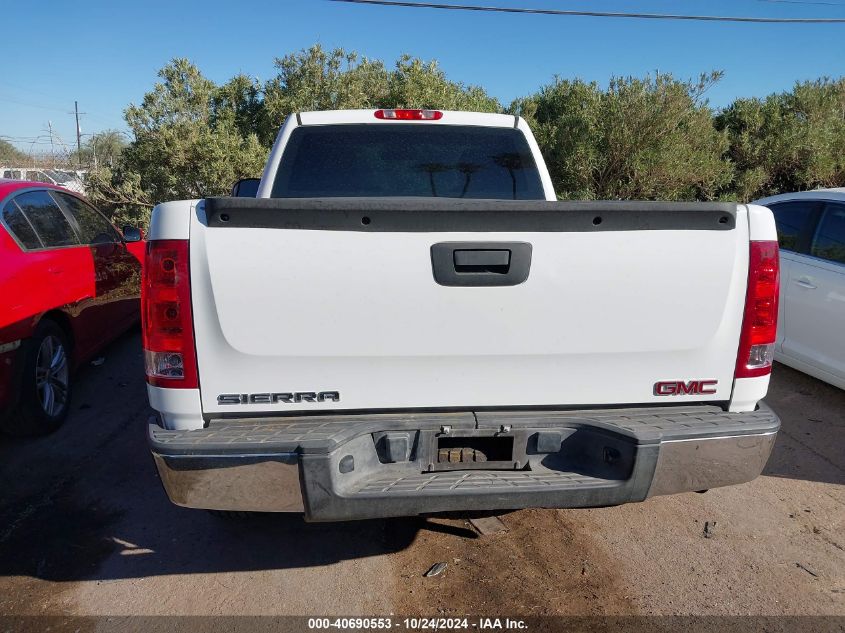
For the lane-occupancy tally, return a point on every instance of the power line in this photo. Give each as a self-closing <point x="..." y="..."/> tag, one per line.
<point x="826" y="4"/>
<point x="596" y="14"/>
<point x="8" y="99"/>
<point x="32" y="105"/>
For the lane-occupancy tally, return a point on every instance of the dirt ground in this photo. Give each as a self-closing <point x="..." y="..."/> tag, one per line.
<point x="86" y="529"/>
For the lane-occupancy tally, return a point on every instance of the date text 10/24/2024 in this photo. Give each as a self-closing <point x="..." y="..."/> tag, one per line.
<point x="417" y="624"/>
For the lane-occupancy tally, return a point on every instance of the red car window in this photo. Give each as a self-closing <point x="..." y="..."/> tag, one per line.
<point x="19" y="226"/>
<point x="93" y="227"/>
<point x="46" y="218"/>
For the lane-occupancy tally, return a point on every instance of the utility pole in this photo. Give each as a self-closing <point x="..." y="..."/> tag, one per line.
<point x="52" y="157"/>
<point x="78" y="134"/>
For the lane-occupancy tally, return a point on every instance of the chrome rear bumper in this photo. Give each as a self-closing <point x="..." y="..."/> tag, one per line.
<point x="253" y="483"/>
<point x="701" y="464"/>
<point x="336" y="468"/>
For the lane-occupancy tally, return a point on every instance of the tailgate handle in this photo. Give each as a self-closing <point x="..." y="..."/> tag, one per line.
<point x="480" y="263"/>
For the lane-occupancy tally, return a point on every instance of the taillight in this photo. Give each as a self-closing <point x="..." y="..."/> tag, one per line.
<point x="169" y="354"/>
<point x="760" y="321"/>
<point x="409" y="115"/>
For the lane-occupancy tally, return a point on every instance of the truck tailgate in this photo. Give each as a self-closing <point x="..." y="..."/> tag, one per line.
<point x="297" y="298"/>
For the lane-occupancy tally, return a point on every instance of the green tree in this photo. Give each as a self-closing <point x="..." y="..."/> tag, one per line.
<point x="639" y="138"/>
<point x="239" y="103"/>
<point x="118" y="192"/>
<point x="184" y="146"/>
<point x="651" y="138"/>
<point x="789" y="141"/>
<point x="414" y="83"/>
<point x="10" y="154"/>
<point x="315" y="79"/>
<point x="102" y="149"/>
<point x="191" y="139"/>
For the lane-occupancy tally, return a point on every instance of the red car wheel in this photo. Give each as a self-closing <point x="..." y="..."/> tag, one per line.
<point x="45" y="384"/>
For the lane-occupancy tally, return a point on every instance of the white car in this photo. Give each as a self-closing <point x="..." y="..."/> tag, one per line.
<point x="71" y="179"/>
<point x="811" y="320"/>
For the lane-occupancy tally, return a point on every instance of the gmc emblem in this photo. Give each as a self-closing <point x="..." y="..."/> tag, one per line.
<point x="681" y="388"/>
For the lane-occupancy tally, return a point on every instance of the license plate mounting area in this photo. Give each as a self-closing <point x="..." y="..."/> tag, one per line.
<point x="474" y="450"/>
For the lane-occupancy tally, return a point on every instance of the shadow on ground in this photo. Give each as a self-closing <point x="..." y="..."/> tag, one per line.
<point x="86" y="503"/>
<point x="811" y="441"/>
<point x="111" y="519"/>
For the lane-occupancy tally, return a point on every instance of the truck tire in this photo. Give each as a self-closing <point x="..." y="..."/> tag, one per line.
<point x="45" y="386"/>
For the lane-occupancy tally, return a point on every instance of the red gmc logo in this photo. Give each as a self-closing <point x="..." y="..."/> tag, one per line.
<point x="681" y="388"/>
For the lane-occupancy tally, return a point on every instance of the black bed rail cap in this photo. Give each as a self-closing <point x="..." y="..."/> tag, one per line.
<point x="429" y="215"/>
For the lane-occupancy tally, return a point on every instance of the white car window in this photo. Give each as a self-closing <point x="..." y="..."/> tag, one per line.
<point x="793" y="220"/>
<point x="829" y="240"/>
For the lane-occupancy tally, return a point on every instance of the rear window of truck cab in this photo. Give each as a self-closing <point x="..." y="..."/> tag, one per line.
<point x="400" y="159"/>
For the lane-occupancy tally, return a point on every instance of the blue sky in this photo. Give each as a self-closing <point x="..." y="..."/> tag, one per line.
<point x="105" y="54"/>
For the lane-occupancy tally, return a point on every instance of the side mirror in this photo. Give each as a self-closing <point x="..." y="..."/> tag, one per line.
<point x="245" y="188"/>
<point x="132" y="234"/>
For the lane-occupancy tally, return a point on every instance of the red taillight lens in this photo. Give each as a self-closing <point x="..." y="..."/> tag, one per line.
<point x="760" y="322"/>
<point x="409" y="115"/>
<point x="169" y="354"/>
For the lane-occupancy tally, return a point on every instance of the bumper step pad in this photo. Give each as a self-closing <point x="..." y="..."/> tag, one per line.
<point x="477" y="481"/>
<point x="324" y="433"/>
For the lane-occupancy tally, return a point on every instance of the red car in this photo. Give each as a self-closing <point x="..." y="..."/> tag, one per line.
<point x="70" y="283"/>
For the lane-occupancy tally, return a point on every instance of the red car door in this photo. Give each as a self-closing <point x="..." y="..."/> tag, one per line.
<point x="117" y="270"/>
<point x="59" y="271"/>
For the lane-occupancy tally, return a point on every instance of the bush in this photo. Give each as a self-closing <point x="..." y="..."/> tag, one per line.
<point x="651" y="138"/>
<point x="640" y="138"/>
<point x="194" y="139"/>
<point x="787" y="142"/>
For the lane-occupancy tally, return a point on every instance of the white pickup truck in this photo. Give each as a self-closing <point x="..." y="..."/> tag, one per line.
<point x="404" y="320"/>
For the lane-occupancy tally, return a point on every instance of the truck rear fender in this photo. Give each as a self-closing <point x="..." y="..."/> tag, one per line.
<point x="747" y="392"/>
<point x="179" y="408"/>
